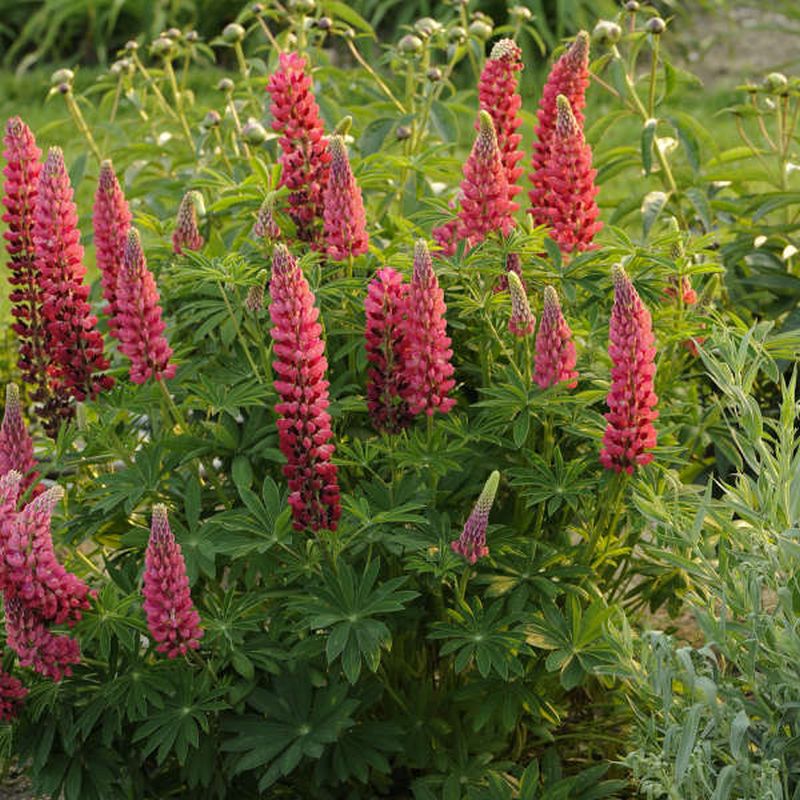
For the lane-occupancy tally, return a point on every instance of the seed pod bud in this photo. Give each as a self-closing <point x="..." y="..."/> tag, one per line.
<point x="480" y="29"/>
<point x="64" y="88"/>
<point x="434" y="74"/>
<point x="302" y="6"/>
<point x="410" y="44"/>
<point x="324" y="23"/>
<point x="173" y="33"/>
<point x="776" y="82"/>
<point x="225" y="85"/>
<point x="122" y="66"/>
<point x="656" y="26"/>
<point x="62" y="76"/>
<point x="253" y="132"/>
<point x="131" y="45"/>
<point x="162" y="47"/>
<point x="233" y="33"/>
<point x="427" y="26"/>
<point x="631" y="6"/>
<point x="520" y="12"/>
<point x="192" y="37"/>
<point x="343" y="126"/>
<point x="403" y="132"/>
<point x="607" y="32"/>
<point x="212" y="119"/>
<point x="257" y="9"/>
<point x="457" y="34"/>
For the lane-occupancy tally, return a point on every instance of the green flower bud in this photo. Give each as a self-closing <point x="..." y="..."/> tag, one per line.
<point x="480" y="29"/>
<point x="64" y="88"/>
<point x="776" y="82"/>
<point x="225" y="85"/>
<point x="427" y="26"/>
<point x="607" y="32"/>
<point x="324" y="23"/>
<point x="233" y="33"/>
<point x="457" y="34"/>
<point x="62" y="76"/>
<point x="632" y="6"/>
<point x="131" y="45"/>
<point x="192" y="37"/>
<point x="403" y="132"/>
<point x="302" y="6"/>
<point x="173" y="33"/>
<point x="656" y="26"/>
<point x="212" y="119"/>
<point x="162" y="47"/>
<point x="410" y="44"/>
<point x="253" y="132"/>
<point x="257" y="9"/>
<point x="520" y="12"/>
<point x="123" y="66"/>
<point x="434" y="74"/>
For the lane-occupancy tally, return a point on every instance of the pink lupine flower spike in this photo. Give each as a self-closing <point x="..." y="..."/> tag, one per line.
<point x="555" y="350"/>
<point x="521" y="322"/>
<point x="472" y="542"/>
<point x="16" y="445"/>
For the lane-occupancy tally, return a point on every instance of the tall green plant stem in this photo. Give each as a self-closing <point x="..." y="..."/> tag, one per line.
<point x="162" y="101"/>
<point x="80" y="122"/>
<point x="239" y="334"/>
<point x="612" y="509"/>
<point x="244" y="71"/>
<point x="374" y="75"/>
<point x="178" y="97"/>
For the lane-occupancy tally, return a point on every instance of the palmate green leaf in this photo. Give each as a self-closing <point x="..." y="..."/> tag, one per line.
<point x="296" y="721"/>
<point x="346" y="604"/>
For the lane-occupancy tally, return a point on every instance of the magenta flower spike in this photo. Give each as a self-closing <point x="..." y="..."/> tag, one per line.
<point x="10" y="487"/>
<point x="29" y="636"/>
<point x="74" y="345"/>
<point x="16" y="445"/>
<point x="498" y="93"/>
<point x="521" y="322"/>
<point x="555" y="350"/>
<point x="140" y="328"/>
<point x="33" y="573"/>
<point x="344" y="218"/>
<point x="564" y="193"/>
<point x="427" y="354"/>
<point x="630" y="433"/>
<point x="472" y="542"/>
<point x="186" y="235"/>
<point x="12" y="696"/>
<point x="112" y="221"/>
<point x="19" y="197"/>
<point x="265" y="228"/>
<point x="485" y="207"/>
<point x="304" y="152"/>
<point x="304" y="424"/>
<point x="172" y="618"/>
<point x="385" y="306"/>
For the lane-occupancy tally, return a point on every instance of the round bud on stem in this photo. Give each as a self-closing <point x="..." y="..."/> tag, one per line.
<point x="521" y="13"/>
<point x="607" y="32"/>
<point x="173" y="33"/>
<point x="324" y="23"/>
<point x="131" y="45"/>
<point x="302" y="6"/>
<point x="457" y="34"/>
<point x="632" y="6"/>
<point x="192" y="37"/>
<point x="64" y="88"/>
<point x="480" y="29"/>
<point x="62" y="76"/>
<point x="257" y="9"/>
<point x="656" y="26"/>
<point x="225" y="85"/>
<point x="162" y="47"/>
<point x="434" y="74"/>
<point x="403" y="132"/>
<point x="253" y="132"/>
<point x="233" y="33"/>
<point x="427" y="26"/>
<point x="776" y="82"/>
<point x="212" y="119"/>
<point x="410" y="44"/>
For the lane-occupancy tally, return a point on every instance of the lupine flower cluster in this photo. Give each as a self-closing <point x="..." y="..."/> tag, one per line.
<point x="385" y="306"/>
<point x="112" y="221"/>
<point x="38" y="591"/>
<point x="139" y="326"/>
<point x="345" y="222"/>
<point x="186" y="235"/>
<point x="521" y="322"/>
<point x="172" y="618"/>
<point x="16" y="445"/>
<point x="472" y="542"/>
<point x="630" y="433"/>
<point x="555" y="350"/>
<point x="12" y="695"/>
<point x="304" y="426"/>
<point x="304" y="152"/>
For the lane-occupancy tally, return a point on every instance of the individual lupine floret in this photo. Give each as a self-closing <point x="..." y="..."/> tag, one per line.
<point x="472" y="542"/>
<point x="521" y="322"/>
<point x="19" y="197"/>
<point x="564" y="196"/>
<point x="630" y="433"/>
<point x="74" y="345"/>
<point x="344" y="218"/>
<point x="485" y="207"/>
<point x="426" y="347"/>
<point x="499" y="96"/>
<point x="304" y="425"/>
<point x="569" y="76"/>
<point x="140" y="328"/>
<point x="555" y="351"/>
<point x="12" y="696"/>
<point x="29" y="636"/>
<point x="186" y="235"/>
<point x="172" y="619"/>
<point x="112" y="221"/>
<point x="16" y="445"/>
<point x="385" y="307"/>
<point x="33" y="573"/>
<point x="304" y="152"/>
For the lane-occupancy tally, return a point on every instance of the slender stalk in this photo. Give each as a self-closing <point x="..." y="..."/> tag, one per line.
<point x="77" y="116"/>
<point x="245" y="71"/>
<point x="268" y="33"/>
<point x="651" y="97"/>
<point x="374" y="75"/>
<point x="176" y="93"/>
<point x="238" y="330"/>
<point x="154" y="86"/>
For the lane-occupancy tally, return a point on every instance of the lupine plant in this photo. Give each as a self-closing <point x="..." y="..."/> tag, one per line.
<point x="297" y="500"/>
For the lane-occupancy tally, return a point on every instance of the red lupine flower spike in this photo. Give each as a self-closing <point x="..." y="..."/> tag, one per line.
<point x="485" y="207"/>
<point x="10" y="486"/>
<point x="21" y="186"/>
<point x="304" y="426"/>
<point x="521" y="322"/>
<point x="33" y="574"/>
<point x="112" y="220"/>
<point x="304" y="154"/>
<point x="345" y="221"/>
<point x="385" y="307"/>
<point x="139" y="325"/>
<point x="472" y="542"/>
<point x="426" y="346"/>
<point x="499" y="96"/>
<point x="555" y="350"/>
<point x="74" y="345"/>
<point x="564" y="197"/>
<point x="570" y="77"/>
<point x="172" y="619"/>
<point x="186" y="235"/>
<point x="12" y="696"/>
<point x="29" y="636"/>
<point x="16" y="445"/>
<point x="630" y="433"/>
